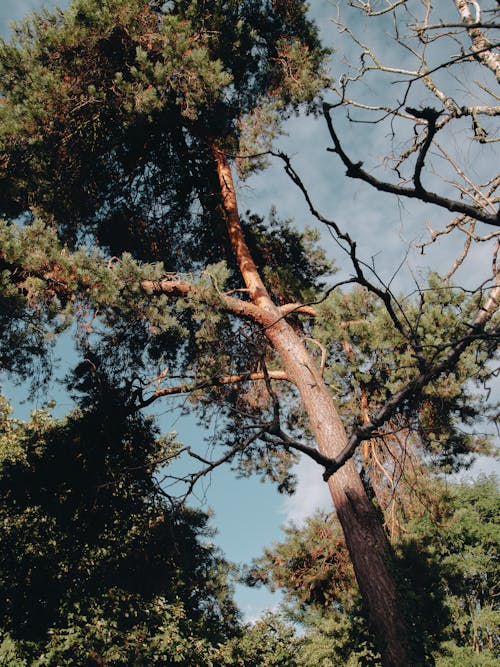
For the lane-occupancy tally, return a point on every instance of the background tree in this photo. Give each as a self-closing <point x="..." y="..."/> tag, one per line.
<point x="446" y="558"/>
<point x="118" y="125"/>
<point x="97" y="567"/>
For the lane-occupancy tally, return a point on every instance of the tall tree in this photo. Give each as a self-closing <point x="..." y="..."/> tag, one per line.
<point x="120" y="125"/>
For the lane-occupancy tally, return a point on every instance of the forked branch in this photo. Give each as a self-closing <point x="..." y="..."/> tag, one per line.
<point x="355" y="170"/>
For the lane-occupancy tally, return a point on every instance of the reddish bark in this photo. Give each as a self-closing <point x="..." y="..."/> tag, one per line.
<point x="365" y="537"/>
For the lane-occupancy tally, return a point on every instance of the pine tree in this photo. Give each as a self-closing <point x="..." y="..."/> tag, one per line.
<point x="446" y="563"/>
<point x="121" y="125"/>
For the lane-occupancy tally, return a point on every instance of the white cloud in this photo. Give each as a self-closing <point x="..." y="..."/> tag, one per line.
<point x="312" y="493"/>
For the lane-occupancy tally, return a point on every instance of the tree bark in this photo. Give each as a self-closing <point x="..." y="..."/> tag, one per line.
<point x="364" y="535"/>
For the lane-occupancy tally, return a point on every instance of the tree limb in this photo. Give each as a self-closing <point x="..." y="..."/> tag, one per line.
<point x="190" y="387"/>
<point x="482" y="47"/>
<point x="311" y="452"/>
<point x="299" y="308"/>
<point x="246" y="309"/>
<point x="424" y="378"/>
<point x="184" y="288"/>
<point x="212" y="465"/>
<point x="355" y="170"/>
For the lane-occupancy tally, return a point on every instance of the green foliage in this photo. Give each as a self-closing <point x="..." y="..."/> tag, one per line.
<point x="448" y="568"/>
<point x="312" y="566"/>
<point x="110" y="113"/>
<point x="368" y="355"/>
<point x="339" y="639"/>
<point x="129" y="335"/>
<point x="453" y="655"/>
<point x="45" y="288"/>
<point x="28" y="322"/>
<point x="269" y="642"/>
<point x="465" y="545"/>
<point x="94" y="564"/>
<point x="110" y="109"/>
<point x="313" y="570"/>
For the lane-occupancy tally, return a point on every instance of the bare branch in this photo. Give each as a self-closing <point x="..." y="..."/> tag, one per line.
<point x="355" y="170"/>
<point x="280" y="437"/>
<point x="451" y="61"/>
<point x="360" y="278"/>
<point x="324" y="352"/>
<point x="461" y="258"/>
<point x="439" y="26"/>
<point x="210" y="466"/>
<point x="365" y="6"/>
<point x="430" y="116"/>
<point x="311" y="452"/>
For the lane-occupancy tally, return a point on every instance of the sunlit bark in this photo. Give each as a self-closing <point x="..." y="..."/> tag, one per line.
<point x="364" y="535"/>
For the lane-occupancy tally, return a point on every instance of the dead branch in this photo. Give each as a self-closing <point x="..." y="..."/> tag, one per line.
<point x="275" y="434"/>
<point x="350" y="248"/>
<point x="299" y="308"/>
<point x="355" y="170"/>
<point x="192" y="479"/>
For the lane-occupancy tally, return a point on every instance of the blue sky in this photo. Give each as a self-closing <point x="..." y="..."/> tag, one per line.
<point x="248" y="514"/>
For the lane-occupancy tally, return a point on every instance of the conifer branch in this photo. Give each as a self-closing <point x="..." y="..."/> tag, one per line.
<point x="474" y="332"/>
<point x="184" y="288"/>
<point x="191" y="387"/>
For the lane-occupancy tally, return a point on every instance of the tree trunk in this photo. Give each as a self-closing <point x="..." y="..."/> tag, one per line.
<point x="364" y="535"/>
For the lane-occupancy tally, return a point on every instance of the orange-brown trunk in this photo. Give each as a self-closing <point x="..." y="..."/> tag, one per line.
<point x="364" y="534"/>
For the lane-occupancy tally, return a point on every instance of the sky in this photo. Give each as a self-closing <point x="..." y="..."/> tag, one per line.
<point x="248" y="515"/>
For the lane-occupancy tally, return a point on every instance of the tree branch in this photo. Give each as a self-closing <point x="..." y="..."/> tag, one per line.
<point x="351" y="249"/>
<point x="190" y="387"/>
<point x="482" y="47"/>
<point x="311" y="452"/>
<point x="355" y="170"/>
<point x="299" y="308"/>
<point x="246" y="309"/>
<point x="416" y="385"/>
<point x="184" y="288"/>
<point x="451" y="24"/>
<point x="212" y="465"/>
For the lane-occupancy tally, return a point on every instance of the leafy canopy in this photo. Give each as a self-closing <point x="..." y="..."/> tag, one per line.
<point x="94" y="562"/>
<point x="447" y="565"/>
<point x="111" y="107"/>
